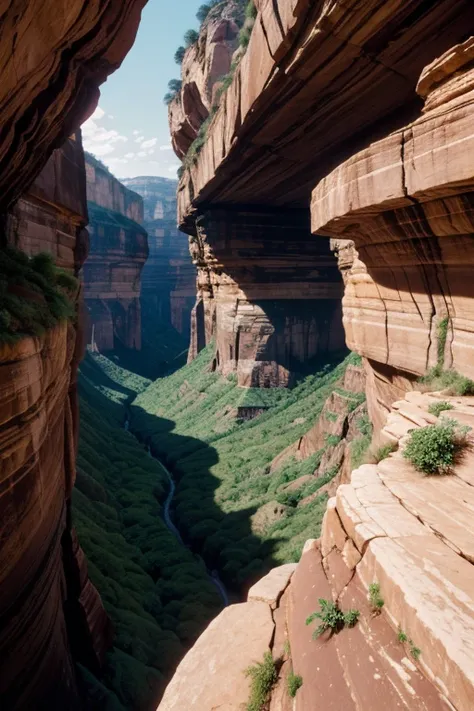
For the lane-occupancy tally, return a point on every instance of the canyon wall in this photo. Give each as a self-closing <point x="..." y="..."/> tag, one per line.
<point x="168" y="280"/>
<point x="49" y="610"/>
<point x="296" y="116"/>
<point x="118" y="251"/>
<point x="55" y="56"/>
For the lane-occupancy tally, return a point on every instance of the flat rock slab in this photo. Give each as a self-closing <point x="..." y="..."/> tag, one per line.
<point x="212" y="674"/>
<point x="270" y="588"/>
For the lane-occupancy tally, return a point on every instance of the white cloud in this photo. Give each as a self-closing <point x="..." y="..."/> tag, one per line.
<point x="135" y="132"/>
<point x="168" y="147"/>
<point x="139" y="139"/>
<point x="129" y="155"/>
<point x="150" y="143"/>
<point x="150" y="153"/>
<point x="97" y="115"/>
<point x="173" y="168"/>
<point x="97" y="139"/>
<point x="110" y="116"/>
<point x="141" y="154"/>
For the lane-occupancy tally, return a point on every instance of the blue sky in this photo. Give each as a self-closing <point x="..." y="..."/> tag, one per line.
<point x="129" y="129"/>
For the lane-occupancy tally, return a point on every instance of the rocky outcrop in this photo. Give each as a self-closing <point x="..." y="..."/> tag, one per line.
<point x="118" y="251"/>
<point x="168" y="280"/>
<point x="386" y="527"/>
<point x="49" y="609"/>
<point x="271" y="304"/>
<point x="50" y="78"/>
<point x="204" y="64"/>
<point x="411" y="229"/>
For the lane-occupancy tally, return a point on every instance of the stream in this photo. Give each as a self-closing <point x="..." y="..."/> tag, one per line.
<point x="213" y="574"/>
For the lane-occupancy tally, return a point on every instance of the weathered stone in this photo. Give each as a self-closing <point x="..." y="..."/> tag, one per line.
<point x="212" y="674"/>
<point x="270" y="588"/>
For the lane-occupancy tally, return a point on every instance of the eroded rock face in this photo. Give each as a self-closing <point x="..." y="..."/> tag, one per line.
<point x="205" y="62"/>
<point x="55" y="54"/>
<point x="407" y="204"/>
<point x="168" y="279"/>
<point x="118" y="251"/>
<point x="48" y="606"/>
<point x="267" y="292"/>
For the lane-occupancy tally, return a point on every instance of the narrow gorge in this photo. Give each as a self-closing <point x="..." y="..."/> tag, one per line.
<point x="237" y="407"/>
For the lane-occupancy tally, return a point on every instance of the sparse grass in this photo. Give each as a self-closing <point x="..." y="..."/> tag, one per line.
<point x="375" y="597"/>
<point x="294" y="682"/>
<point x="442" y="336"/>
<point x="435" y="449"/>
<point x="437" y="408"/>
<point x="331" y="440"/>
<point x="35" y="294"/>
<point x="384" y="451"/>
<point x="332" y="618"/>
<point x="450" y="380"/>
<point x="414" y="651"/>
<point x="402" y="636"/>
<point x="330" y="416"/>
<point x="263" y="675"/>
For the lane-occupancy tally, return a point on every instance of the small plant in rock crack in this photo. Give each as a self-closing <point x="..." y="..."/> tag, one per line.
<point x="293" y="682"/>
<point x="402" y="637"/>
<point x="332" y="618"/>
<point x="263" y="675"/>
<point x="414" y="651"/>
<point x="436" y="408"/>
<point x="376" y="600"/>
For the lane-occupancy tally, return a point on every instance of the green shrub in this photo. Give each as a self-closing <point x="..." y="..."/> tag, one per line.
<point x="402" y="636"/>
<point x="383" y="451"/>
<point x="179" y="55"/>
<point x="330" y="416"/>
<point x="34" y="294"/>
<point x="450" y="380"/>
<point x="251" y="10"/>
<point x="293" y="683"/>
<point x="434" y="449"/>
<point x="332" y="618"/>
<point x="442" y="336"/>
<point x="375" y="597"/>
<point x="191" y="37"/>
<point x="414" y="650"/>
<point x="332" y="440"/>
<point x="436" y="408"/>
<point x="263" y="675"/>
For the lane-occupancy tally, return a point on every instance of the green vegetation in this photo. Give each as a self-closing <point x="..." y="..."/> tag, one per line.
<point x="293" y="683"/>
<point x="360" y="445"/>
<point x="332" y="440"/>
<point x="174" y="86"/>
<point x="376" y="600"/>
<point x="263" y="675"/>
<point x="442" y="337"/>
<point x="402" y="636"/>
<point x="436" y="448"/>
<point x="190" y="37"/>
<point x="332" y="618"/>
<point x="330" y="416"/>
<point x="437" y="408"/>
<point x="179" y="55"/>
<point x="414" y="651"/>
<point x="156" y="592"/>
<point x="383" y="451"/>
<point x="34" y="294"/>
<point x="227" y="500"/>
<point x="438" y="378"/>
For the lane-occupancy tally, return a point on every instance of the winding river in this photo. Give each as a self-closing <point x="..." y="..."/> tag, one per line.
<point x="213" y="574"/>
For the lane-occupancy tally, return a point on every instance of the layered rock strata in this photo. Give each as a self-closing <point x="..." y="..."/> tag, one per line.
<point x="56" y="53"/>
<point x="205" y="63"/>
<point x="407" y="203"/>
<point x="168" y="280"/>
<point x="386" y="526"/>
<point x="118" y="251"/>
<point x="267" y="292"/>
<point x="49" y="609"/>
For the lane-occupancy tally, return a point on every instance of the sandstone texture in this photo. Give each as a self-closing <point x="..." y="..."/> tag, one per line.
<point x="168" y="279"/>
<point x="406" y="204"/>
<point x="55" y="54"/>
<point x="49" y="609"/>
<point x="271" y="304"/>
<point x="204" y="64"/>
<point x="118" y="251"/>
<point x="413" y="536"/>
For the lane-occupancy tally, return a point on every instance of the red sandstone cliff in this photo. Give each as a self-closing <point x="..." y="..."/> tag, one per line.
<point x="55" y="55"/>
<point x="118" y="251"/>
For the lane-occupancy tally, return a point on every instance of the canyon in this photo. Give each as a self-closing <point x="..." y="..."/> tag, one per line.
<point x="325" y="198"/>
